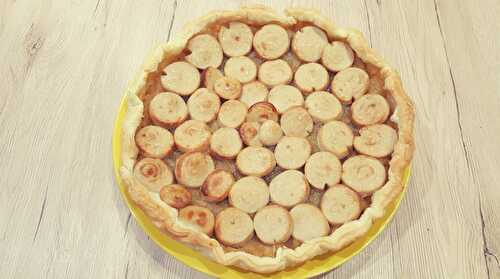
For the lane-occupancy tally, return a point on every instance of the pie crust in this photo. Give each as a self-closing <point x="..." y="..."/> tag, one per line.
<point x="233" y="227"/>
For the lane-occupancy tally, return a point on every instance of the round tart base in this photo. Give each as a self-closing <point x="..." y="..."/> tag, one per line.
<point x="163" y="216"/>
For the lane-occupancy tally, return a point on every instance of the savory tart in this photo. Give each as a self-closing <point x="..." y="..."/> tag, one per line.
<point x="264" y="140"/>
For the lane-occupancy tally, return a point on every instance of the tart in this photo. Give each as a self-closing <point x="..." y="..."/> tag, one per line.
<point x="265" y="140"/>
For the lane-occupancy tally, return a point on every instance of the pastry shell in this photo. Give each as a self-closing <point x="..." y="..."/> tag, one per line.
<point x="166" y="218"/>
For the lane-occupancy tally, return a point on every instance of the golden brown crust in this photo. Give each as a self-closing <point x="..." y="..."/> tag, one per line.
<point x="165" y="217"/>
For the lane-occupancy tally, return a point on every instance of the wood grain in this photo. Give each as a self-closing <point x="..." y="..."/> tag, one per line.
<point x="65" y="65"/>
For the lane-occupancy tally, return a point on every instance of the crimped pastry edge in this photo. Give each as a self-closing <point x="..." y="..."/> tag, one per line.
<point x="166" y="218"/>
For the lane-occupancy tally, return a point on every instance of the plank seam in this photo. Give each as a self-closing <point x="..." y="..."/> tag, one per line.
<point x="42" y="211"/>
<point x="96" y="7"/>
<point x="127" y="224"/>
<point x="172" y="20"/>
<point x="368" y="22"/>
<point x="126" y="270"/>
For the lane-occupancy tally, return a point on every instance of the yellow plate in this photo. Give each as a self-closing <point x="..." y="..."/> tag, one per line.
<point x="199" y="262"/>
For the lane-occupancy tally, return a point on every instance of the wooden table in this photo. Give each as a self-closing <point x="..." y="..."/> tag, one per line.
<point x="65" y="65"/>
